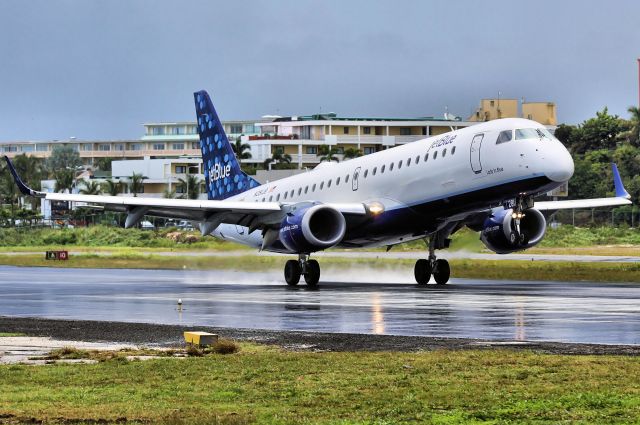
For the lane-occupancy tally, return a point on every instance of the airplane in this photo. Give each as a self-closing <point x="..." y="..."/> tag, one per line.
<point x="484" y="177"/>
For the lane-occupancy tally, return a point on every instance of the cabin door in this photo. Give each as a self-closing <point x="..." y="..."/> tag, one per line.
<point x="354" y="180"/>
<point x="476" y="143"/>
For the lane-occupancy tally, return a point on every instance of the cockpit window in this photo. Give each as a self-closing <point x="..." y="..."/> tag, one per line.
<point x="504" y="136"/>
<point x="545" y="133"/>
<point x="527" y="133"/>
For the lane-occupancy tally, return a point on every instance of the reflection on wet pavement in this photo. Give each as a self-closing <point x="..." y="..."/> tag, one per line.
<point x="354" y="301"/>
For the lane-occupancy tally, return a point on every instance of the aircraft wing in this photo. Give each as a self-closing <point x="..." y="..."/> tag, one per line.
<point x="210" y="213"/>
<point x="622" y="197"/>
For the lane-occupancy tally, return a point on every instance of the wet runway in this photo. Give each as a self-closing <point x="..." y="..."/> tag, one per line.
<point x="354" y="302"/>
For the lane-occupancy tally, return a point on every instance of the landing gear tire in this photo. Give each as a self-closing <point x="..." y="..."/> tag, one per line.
<point x="422" y="271"/>
<point x="312" y="273"/>
<point x="442" y="272"/>
<point x="292" y="272"/>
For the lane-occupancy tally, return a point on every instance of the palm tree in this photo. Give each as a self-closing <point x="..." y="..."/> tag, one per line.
<point x="191" y="184"/>
<point x="90" y="188"/>
<point x="136" y="184"/>
<point x="169" y="194"/>
<point x="634" y="131"/>
<point x="351" y="153"/>
<point x="64" y="179"/>
<point x="113" y="187"/>
<point x="327" y="153"/>
<point x="276" y="158"/>
<point x="241" y="150"/>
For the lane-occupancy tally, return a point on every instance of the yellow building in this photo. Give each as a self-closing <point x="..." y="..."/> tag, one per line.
<point x="491" y="109"/>
<point x="542" y="112"/>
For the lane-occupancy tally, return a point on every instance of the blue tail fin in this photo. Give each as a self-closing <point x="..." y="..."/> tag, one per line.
<point x="222" y="172"/>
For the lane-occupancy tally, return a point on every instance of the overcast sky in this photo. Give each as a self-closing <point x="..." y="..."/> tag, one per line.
<point x="99" y="69"/>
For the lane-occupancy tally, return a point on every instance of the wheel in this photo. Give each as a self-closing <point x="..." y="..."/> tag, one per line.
<point x="312" y="273"/>
<point x="292" y="272"/>
<point x="442" y="272"/>
<point x="422" y="271"/>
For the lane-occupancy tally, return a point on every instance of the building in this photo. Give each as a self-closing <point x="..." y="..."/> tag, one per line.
<point x="491" y="109"/>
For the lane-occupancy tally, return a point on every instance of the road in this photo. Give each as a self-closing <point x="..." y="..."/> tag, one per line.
<point x="359" y="301"/>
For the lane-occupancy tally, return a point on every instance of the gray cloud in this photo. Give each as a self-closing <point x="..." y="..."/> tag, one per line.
<point x="99" y="70"/>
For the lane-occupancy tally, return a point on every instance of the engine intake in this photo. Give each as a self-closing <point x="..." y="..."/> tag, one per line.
<point x="500" y="231"/>
<point x="312" y="229"/>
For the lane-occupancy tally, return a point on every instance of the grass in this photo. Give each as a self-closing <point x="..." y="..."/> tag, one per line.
<point x="105" y="237"/>
<point x="278" y="387"/>
<point x="11" y="334"/>
<point x="477" y="269"/>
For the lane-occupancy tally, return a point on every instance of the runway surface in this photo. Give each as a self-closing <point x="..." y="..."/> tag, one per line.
<point x="358" y="301"/>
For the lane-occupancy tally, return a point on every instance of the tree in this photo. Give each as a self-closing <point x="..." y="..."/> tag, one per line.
<point x="113" y="188"/>
<point x="242" y="150"/>
<point x="31" y="170"/>
<point x="64" y="179"/>
<point x="136" y="184"/>
<point x="103" y="164"/>
<point x="601" y="132"/>
<point x="90" y="187"/>
<point x="277" y="158"/>
<point x="633" y="133"/>
<point x="8" y="191"/>
<point x="351" y="153"/>
<point x="169" y="194"/>
<point x="627" y="158"/>
<point x="63" y="157"/>
<point x="327" y="153"/>
<point x="62" y="165"/>
<point x="191" y="186"/>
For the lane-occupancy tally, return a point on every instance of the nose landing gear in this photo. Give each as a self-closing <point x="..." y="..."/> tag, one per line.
<point x="294" y="269"/>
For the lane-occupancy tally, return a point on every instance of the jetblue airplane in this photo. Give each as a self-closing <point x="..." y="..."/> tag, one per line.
<point x="484" y="177"/>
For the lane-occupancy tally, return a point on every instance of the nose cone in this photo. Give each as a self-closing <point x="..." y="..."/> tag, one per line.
<point x="559" y="164"/>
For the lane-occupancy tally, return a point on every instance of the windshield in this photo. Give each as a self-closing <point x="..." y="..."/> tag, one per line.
<point x="533" y="133"/>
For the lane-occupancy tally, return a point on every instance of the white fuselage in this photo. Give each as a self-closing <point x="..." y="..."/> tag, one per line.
<point x="426" y="172"/>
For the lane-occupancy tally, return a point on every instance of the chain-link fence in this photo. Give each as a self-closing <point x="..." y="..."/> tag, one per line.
<point x="598" y="217"/>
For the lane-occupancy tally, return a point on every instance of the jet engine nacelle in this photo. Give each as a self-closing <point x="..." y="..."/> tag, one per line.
<point x="500" y="231"/>
<point x="312" y="229"/>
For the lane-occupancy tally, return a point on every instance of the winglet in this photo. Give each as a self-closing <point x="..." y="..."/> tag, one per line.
<point x="26" y="190"/>
<point x="621" y="192"/>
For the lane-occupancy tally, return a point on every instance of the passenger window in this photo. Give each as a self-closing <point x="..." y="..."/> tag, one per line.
<point x="270" y="198"/>
<point x="306" y="189"/>
<point x="435" y="154"/>
<point x="382" y="169"/>
<point x="366" y="173"/>
<point x="417" y="159"/>
<point x="313" y="188"/>
<point x="292" y="192"/>
<point x="346" y="178"/>
<point x="321" y="185"/>
<point x="278" y="197"/>
<point x="391" y="166"/>
<point x="504" y="136"/>
<point x="426" y="156"/>
<point x="408" y="162"/>
<point x="453" y="150"/>
<point x="444" y="152"/>
<point x="375" y="169"/>
<point x="299" y="191"/>
<point x="338" y="181"/>
<point x="285" y="195"/>
<point x="263" y="199"/>
<point x="329" y="184"/>
<point x="399" y="165"/>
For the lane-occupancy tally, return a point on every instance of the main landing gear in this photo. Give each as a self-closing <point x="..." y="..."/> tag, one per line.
<point x="438" y="268"/>
<point x="294" y="269"/>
